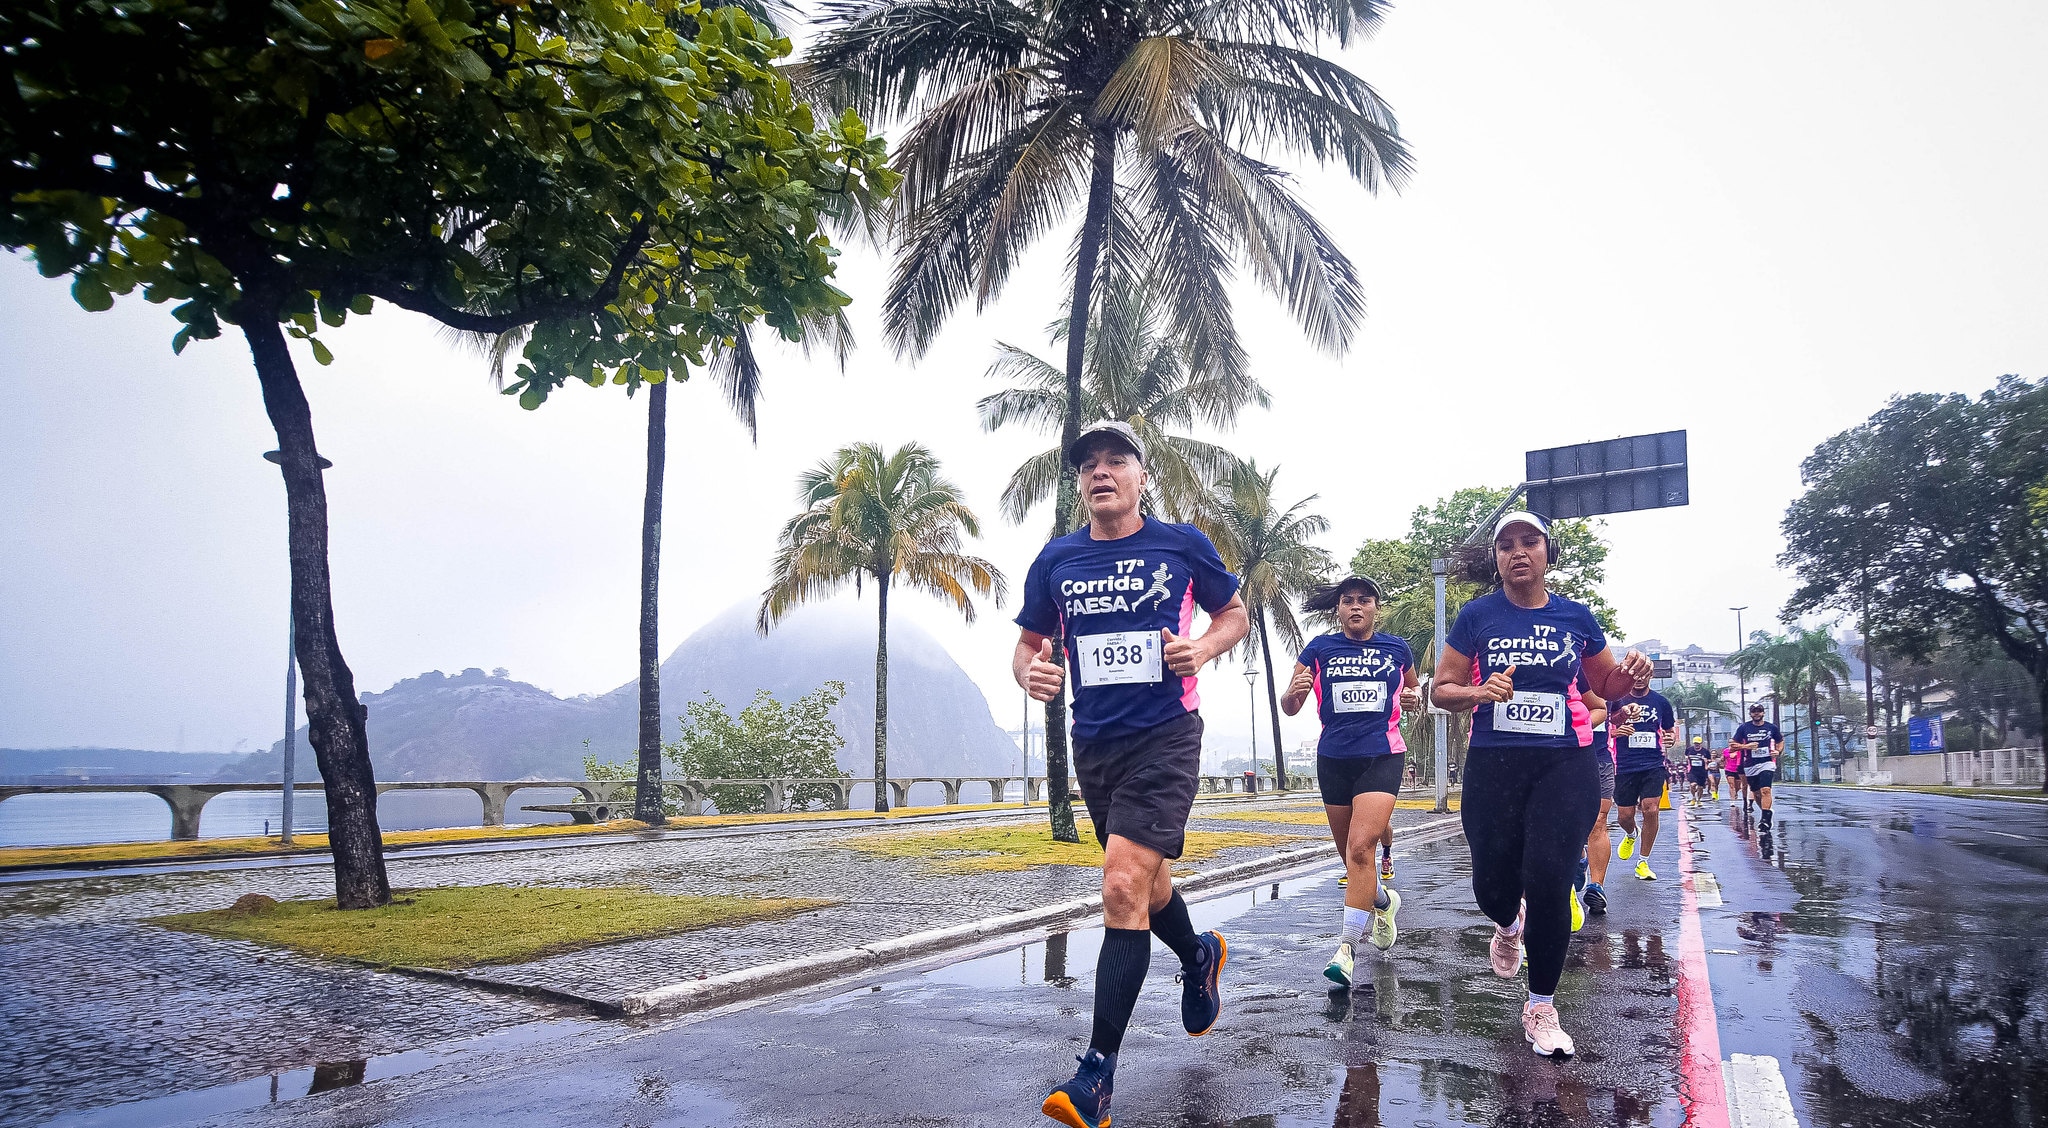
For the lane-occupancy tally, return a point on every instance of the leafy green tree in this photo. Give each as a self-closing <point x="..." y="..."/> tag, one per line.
<point x="1270" y="549"/>
<point x="874" y="516"/>
<point x="1930" y="519"/>
<point x="1136" y="371"/>
<point x="1153" y="118"/>
<point x="634" y="180"/>
<point x="768" y="740"/>
<point x="1814" y="665"/>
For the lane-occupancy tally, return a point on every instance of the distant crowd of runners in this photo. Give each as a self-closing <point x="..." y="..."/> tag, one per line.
<point x="1562" y="731"/>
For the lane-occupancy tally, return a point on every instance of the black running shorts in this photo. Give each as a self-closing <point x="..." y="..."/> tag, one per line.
<point x="1758" y="781"/>
<point x="1698" y="776"/>
<point x="1631" y="788"/>
<point x="1344" y="778"/>
<point x="1142" y="786"/>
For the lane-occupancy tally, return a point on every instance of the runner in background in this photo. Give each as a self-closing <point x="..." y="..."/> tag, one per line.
<point x="1532" y="777"/>
<point x="1731" y="766"/>
<point x="1590" y="889"/>
<point x="1362" y="680"/>
<point x="1696" y="769"/>
<point x="1643" y="724"/>
<point x="1713" y="773"/>
<point x="1759" y="741"/>
<point x="1123" y="592"/>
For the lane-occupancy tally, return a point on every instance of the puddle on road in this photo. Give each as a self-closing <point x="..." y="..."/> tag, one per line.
<point x="320" y="1078"/>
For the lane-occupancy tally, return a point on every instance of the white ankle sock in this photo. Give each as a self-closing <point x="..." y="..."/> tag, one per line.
<point x="1356" y="923"/>
<point x="1534" y="998"/>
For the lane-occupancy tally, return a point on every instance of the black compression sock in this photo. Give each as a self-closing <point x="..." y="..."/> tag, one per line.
<point x="1119" y="973"/>
<point x="1171" y="924"/>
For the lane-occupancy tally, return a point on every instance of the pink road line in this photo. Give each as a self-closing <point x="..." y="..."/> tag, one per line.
<point x="1701" y="1089"/>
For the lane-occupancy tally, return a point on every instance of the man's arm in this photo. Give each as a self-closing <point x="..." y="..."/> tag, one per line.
<point x="1227" y="627"/>
<point x="1033" y="666"/>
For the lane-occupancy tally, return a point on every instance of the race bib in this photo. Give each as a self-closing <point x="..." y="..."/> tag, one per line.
<point x="1120" y="658"/>
<point x="1534" y="714"/>
<point x="1359" y="697"/>
<point x="1642" y="740"/>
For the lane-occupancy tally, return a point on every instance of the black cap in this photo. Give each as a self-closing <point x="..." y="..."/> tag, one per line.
<point x="1757" y="708"/>
<point x="1111" y="432"/>
<point x="1325" y="598"/>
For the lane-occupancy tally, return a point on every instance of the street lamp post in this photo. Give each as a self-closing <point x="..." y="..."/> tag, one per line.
<point x="1743" y="692"/>
<point x="1251" y="687"/>
<point x="291" y="688"/>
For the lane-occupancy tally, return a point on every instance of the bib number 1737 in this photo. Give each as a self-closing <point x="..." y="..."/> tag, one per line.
<point x="1120" y="658"/>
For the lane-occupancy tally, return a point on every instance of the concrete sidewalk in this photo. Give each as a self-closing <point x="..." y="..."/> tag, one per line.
<point x="98" y="1007"/>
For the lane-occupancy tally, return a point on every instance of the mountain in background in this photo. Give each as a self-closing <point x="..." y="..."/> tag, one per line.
<point x="474" y="725"/>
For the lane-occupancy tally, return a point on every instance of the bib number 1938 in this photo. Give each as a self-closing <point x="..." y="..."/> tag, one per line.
<point x="1533" y="714"/>
<point x="1120" y="658"/>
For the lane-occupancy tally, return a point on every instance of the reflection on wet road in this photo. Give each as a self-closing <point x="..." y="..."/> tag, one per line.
<point x="1887" y="950"/>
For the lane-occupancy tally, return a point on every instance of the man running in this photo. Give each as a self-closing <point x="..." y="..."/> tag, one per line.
<point x="1696" y="769"/>
<point x="1137" y="736"/>
<point x="1643" y="723"/>
<point x="1362" y="680"/>
<point x="1759" y="741"/>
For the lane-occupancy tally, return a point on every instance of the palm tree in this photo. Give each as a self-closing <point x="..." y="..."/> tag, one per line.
<point x="1772" y="657"/>
<point x="1016" y="105"/>
<point x="1813" y="663"/>
<point x="870" y="515"/>
<point x="1138" y="373"/>
<point x="1701" y="699"/>
<point x="1268" y="547"/>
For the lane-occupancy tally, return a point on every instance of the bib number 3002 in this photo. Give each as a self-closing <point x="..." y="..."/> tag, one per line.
<point x="1121" y="658"/>
<point x="1359" y="697"/>
<point x="1532" y="714"/>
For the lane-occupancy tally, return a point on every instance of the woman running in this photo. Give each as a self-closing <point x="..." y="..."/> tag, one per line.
<point x="1532" y="777"/>
<point x="1731" y="766"/>
<point x="1361" y="679"/>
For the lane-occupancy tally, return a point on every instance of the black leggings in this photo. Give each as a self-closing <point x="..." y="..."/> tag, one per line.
<point x="1527" y="812"/>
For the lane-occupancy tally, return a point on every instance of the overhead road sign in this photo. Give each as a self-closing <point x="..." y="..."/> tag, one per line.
<point x="1611" y="476"/>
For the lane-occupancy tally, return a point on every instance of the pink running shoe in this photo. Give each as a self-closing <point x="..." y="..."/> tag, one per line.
<point x="1506" y="950"/>
<point x="1539" y="1026"/>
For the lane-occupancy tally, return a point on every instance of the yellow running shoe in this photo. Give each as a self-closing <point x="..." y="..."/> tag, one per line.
<point x="1578" y="912"/>
<point x="1628" y="846"/>
<point x="1644" y="871"/>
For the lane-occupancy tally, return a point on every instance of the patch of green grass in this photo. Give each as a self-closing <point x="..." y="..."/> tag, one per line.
<point x="476" y="926"/>
<point x="1007" y="849"/>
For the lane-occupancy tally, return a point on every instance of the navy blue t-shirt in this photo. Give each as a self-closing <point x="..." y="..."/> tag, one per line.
<point x="1643" y="751"/>
<point x="1545" y="646"/>
<point x="1358" y="692"/>
<point x="1765" y="736"/>
<point x="1113" y="598"/>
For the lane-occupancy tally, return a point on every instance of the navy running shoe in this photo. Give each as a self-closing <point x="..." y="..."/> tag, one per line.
<point x="1084" y="1101"/>
<point x="1200" y="998"/>
<point x="1596" y="899"/>
<point x="1579" y="882"/>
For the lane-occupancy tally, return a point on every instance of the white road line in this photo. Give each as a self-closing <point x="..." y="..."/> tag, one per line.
<point x="1757" y="1097"/>
<point x="1706" y="890"/>
<point x="2014" y="837"/>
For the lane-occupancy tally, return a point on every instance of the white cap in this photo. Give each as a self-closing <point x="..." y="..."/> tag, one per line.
<point x="1521" y="517"/>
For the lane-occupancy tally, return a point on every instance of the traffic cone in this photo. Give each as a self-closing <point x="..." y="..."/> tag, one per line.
<point x="1664" y="804"/>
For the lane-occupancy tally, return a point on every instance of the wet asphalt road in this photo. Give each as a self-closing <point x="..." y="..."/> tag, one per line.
<point x="1887" y="951"/>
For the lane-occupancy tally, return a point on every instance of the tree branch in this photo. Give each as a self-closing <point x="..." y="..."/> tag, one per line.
<point x="406" y="297"/>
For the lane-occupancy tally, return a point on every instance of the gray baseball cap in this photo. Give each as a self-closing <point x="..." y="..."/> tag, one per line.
<point x="1105" y="432"/>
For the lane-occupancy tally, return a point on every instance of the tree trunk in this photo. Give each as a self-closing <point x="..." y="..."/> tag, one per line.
<point x="335" y="719"/>
<point x="1273" y="707"/>
<point x="1094" y="223"/>
<point x="882" y="698"/>
<point x="647" y="799"/>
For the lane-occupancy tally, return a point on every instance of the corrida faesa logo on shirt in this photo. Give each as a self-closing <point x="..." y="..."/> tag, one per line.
<point x="1127" y="588"/>
<point x="1369" y="664"/>
<point x="1545" y="645"/>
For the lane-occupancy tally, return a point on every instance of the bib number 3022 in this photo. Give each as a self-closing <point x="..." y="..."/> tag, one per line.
<point x="1532" y="714"/>
<point x="1120" y="658"/>
<point x="1359" y="697"/>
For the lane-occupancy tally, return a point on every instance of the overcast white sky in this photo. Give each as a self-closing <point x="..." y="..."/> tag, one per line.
<point x="1755" y="221"/>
